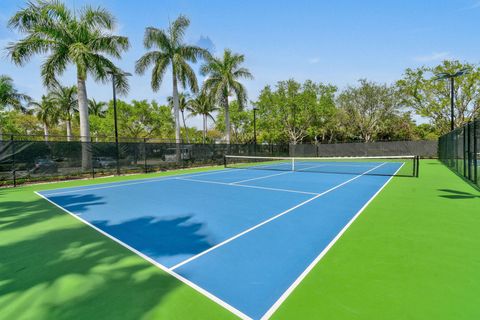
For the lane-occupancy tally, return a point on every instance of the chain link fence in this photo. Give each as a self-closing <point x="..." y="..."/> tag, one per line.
<point x="34" y="160"/>
<point x="423" y="149"/>
<point x="460" y="151"/>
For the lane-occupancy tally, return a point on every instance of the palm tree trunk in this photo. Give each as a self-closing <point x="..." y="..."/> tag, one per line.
<point x="45" y="131"/>
<point x="69" y="130"/>
<point x="185" y="126"/>
<point x="176" y="115"/>
<point x="227" y="120"/>
<point x="84" y="123"/>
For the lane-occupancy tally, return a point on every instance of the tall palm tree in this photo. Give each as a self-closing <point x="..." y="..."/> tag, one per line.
<point x="10" y="97"/>
<point x="82" y="38"/>
<point x="222" y="81"/>
<point x="202" y="105"/>
<point x="97" y="108"/>
<point x="65" y="98"/>
<point x="170" y="50"/>
<point x="182" y="106"/>
<point x="47" y="113"/>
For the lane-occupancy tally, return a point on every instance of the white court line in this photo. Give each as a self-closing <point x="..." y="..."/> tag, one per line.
<point x="263" y="177"/>
<point x="246" y="186"/>
<point x="160" y="266"/>
<point x="138" y="181"/>
<point x="270" y="219"/>
<point x="277" y="174"/>
<point x="297" y="281"/>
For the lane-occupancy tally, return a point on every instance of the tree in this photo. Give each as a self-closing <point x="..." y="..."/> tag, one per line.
<point x="241" y="123"/>
<point x="171" y="51"/>
<point x="222" y="81"/>
<point x="46" y="112"/>
<point x="84" y="40"/>
<point x="295" y="112"/>
<point x="10" y="98"/>
<point x="367" y="106"/>
<point x="431" y="99"/>
<point x="65" y="98"/>
<point x="137" y="119"/>
<point x="202" y="105"/>
<point x="97" y="108"/>
<point x="182" y="106"/>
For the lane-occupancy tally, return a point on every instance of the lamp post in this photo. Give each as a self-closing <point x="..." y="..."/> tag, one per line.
<point x="451" y="76"/>
<point x="115" y="121"/>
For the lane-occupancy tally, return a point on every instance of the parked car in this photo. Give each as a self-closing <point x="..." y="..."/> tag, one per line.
<point x="185" y="154"/>
<point x="44" y="165"/>
<point x="104" y="162"/>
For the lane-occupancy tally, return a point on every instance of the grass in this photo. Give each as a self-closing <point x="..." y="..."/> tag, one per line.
<point x="412" y="254"/>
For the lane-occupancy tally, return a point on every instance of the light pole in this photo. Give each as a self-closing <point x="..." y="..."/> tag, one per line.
<point x="115" y="117"/>
<point x="451" y="76"/>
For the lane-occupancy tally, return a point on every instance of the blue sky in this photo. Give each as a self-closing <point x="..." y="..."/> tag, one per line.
<point x="335" y="42"/>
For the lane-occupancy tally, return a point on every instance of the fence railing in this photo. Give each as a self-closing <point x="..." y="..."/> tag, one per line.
<point x="460" y="151"/>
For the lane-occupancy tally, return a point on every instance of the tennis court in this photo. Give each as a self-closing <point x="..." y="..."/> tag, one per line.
<point x="243" y="238"/>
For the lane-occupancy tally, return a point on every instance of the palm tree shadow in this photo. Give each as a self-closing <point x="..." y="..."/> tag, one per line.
<point x="455" y="194"/>
<point x="160" y="238"/>
<point x="77" y="203"/>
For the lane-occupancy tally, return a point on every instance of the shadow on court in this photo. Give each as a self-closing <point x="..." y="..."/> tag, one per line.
<point x="77" y="203"/>
<point x="454" y="194"/>
<point x="159" y="238"/>
<point x="54" y="267"/>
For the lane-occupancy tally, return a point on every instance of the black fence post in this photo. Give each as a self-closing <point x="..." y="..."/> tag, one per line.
<point x="93" y="157"/>
<point x="465" y="150"/>
<point x="145" y="154"/>
<point x="475" y="152"/>
<point x="14" y="170"/>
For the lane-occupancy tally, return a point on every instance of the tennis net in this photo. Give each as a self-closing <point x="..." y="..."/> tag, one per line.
<point x="407" y="166"/>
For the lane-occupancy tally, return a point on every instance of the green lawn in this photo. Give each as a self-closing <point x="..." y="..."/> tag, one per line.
<point x="414" y="253"/>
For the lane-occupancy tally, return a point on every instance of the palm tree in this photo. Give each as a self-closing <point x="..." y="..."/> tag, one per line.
<point x="182" y="106"/>
<point x="97" y="108"/>
<point x="46" y="113"/>
<point x="83" y="39"/>
<point x="222" y="81"/>
<point x="202" y="105"/>
<point x="65" y="98"/>
<point x="10" y="98"/>
<point x="171" y="51"/>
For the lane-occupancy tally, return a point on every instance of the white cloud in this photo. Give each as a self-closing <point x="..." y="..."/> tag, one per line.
<point x="314" y="60"/>
<point x="435" y="56"/>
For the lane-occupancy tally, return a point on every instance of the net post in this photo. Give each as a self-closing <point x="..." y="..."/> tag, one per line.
<point x="414" y="173"/>
<point x="418" y="166"/>
<point x="293" y="164"/>
<point x="224" y="161"/>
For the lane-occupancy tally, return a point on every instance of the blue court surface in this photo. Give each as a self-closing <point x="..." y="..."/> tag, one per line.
<point x="244" y="238"/>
